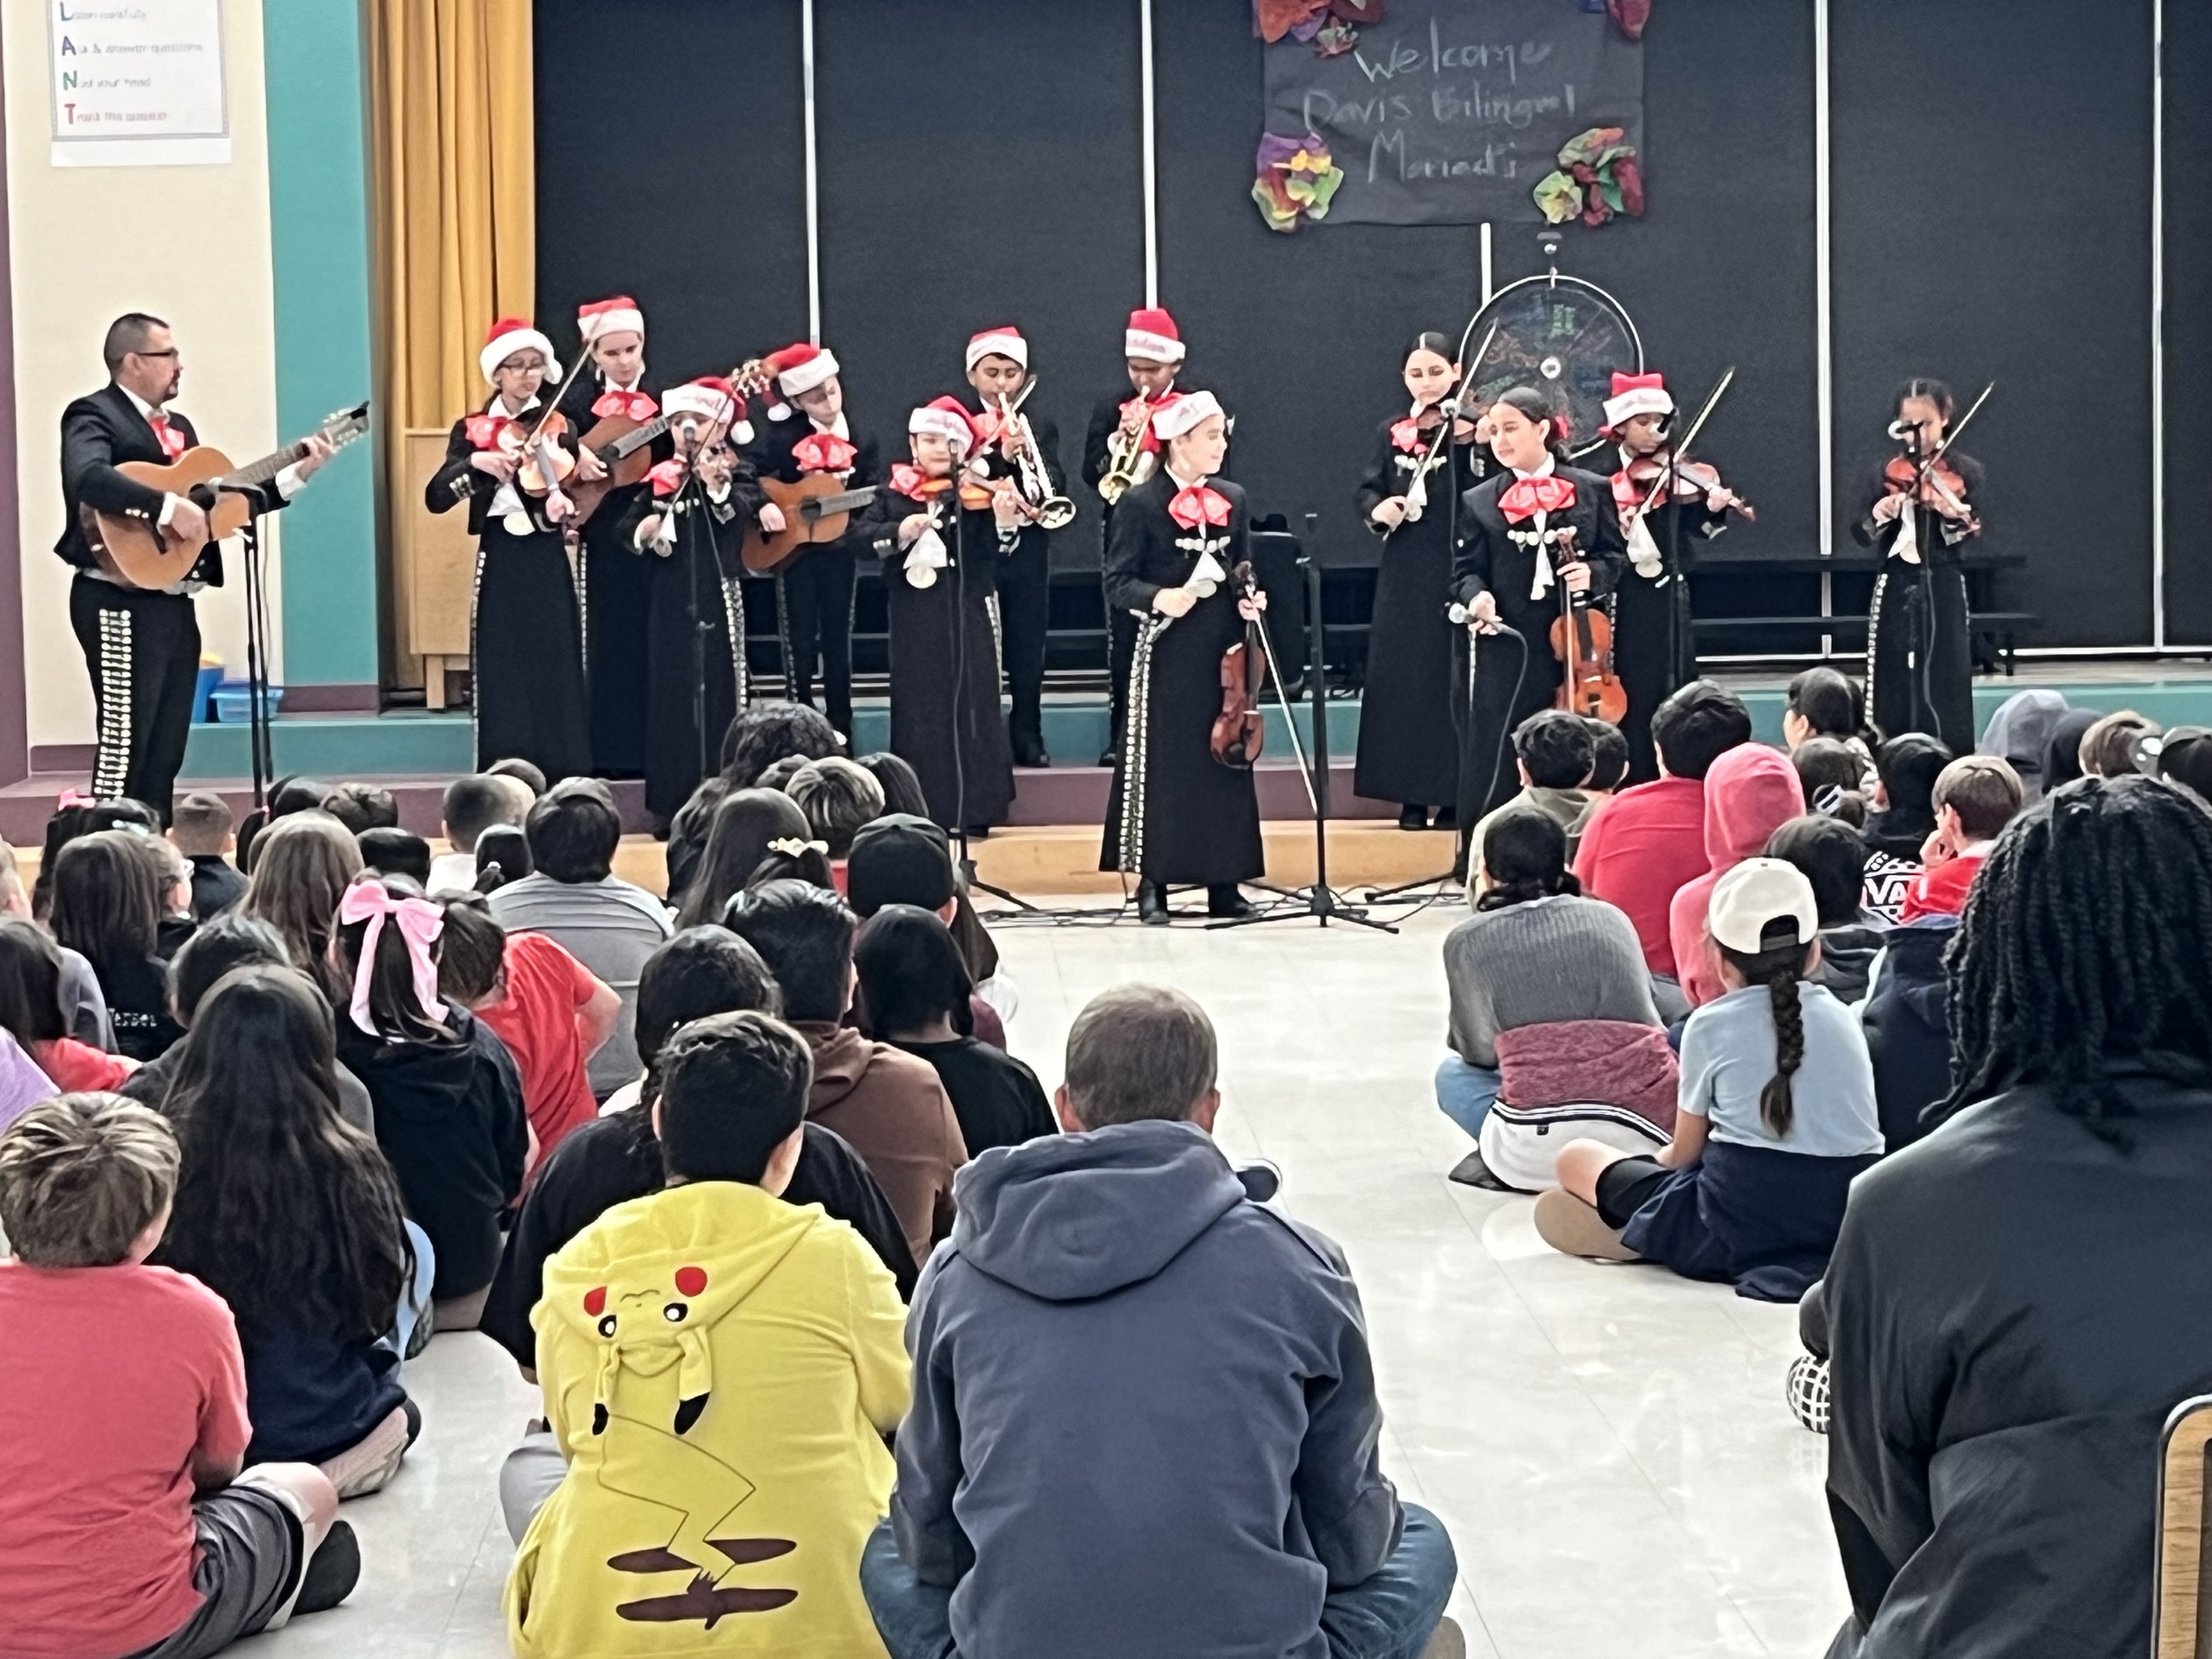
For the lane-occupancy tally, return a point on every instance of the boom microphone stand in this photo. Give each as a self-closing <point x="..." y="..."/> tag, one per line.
<point x="1319" y="900"/>
<point x="260" y="760"/>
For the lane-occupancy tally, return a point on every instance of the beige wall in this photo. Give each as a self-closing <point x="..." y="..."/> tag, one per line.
<point x="188" y="243"/>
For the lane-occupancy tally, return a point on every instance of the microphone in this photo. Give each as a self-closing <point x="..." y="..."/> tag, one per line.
<point x="1900" y="430"/>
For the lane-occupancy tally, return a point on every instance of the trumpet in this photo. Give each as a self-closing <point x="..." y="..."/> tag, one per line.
<point x="1034" y="495"/>
<point x="1128" y="462"/>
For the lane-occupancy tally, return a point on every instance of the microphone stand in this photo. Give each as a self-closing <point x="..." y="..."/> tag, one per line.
<point x="965" y="859"/>
<point x="1319" y="900"/>
<point x="259" y="747"/>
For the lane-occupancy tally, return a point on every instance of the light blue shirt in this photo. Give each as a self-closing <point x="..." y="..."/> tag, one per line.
<point x="1728" y="1055"/>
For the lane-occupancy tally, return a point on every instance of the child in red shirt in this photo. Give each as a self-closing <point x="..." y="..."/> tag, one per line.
<point x="128" y="1526"/>
<point x="1975" y="797"/>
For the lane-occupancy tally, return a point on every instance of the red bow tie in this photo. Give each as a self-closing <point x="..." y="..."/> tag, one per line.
<point x="630" y="405"/>
<point x="1194" y="505"/>
<point x="1527" y="497"/>
<point x="909" y="480"/>
<point x="173" y="441"/>
<point x="823" y="452"/>
<point x="482" y="430"/>
<point x="667" y="478"/>
<point x="1406" y="435"/>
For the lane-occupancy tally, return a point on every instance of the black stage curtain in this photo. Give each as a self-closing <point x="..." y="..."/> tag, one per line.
<point x="2188" y="322"/>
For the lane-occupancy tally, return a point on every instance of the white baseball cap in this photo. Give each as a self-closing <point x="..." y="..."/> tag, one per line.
<point x="1754" y="896"/>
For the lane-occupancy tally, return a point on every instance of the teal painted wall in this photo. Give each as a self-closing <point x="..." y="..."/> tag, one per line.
<point x="320" y="242"/>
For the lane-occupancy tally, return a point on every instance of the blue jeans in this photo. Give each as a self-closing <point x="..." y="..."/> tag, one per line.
<point x="415" y="1295"/>
<point x="1465" y="1091"/>
<point x="1390" y="1616"/>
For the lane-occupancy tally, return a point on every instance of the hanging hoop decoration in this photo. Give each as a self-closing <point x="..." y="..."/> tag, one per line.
<point x="1563" y="336"/>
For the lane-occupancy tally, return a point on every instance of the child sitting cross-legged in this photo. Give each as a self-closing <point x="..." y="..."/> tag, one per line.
<point x="133" y="1526"/>
<point x="1775" y="1117"/>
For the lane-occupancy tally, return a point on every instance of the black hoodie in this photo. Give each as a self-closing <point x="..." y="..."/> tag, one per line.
<point x="449" y="1116"/>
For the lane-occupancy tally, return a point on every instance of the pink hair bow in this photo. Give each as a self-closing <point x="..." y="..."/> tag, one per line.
<point x="419" y="922"/>
<point x="71" y="798"/>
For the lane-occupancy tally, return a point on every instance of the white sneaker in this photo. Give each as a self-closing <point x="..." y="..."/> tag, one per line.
<point x="1448" y="1642"/>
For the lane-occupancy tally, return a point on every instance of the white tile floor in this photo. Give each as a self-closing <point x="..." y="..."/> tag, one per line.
<point x="1610" y="1447"/>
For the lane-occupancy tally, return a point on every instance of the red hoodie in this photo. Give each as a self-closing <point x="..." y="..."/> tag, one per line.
<point x="1637" y="849"/>
<point x="1751" y="791"/>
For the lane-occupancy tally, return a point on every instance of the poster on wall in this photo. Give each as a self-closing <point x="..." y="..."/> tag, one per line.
<point x="136" y="83"/>
<point x="1453" y="112"/>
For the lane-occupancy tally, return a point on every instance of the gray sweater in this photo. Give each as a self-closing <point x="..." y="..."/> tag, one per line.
<point x="1547" y="959"/>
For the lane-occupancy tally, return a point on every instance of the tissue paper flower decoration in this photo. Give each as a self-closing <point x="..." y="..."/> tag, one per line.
<point x="1297" y="180"/>
<point x="1598" y="178"/>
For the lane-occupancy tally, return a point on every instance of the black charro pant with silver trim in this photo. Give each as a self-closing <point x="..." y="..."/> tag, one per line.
<point x="143" y="651"/>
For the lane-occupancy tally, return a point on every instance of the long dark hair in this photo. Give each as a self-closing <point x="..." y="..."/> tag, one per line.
<point x="30" y="982"/>
<point x="2087" y="936"/>
<point x="1525" y="854"/>
<point x="283" y="1209"/>
<point x="1537" y="407"/>
<point x="302" y="866"/>
<point x="901" y="783"/>
<point x="107" y="896"/>
<point x="1779" y="969"/>
<point x="393" y="1008"/>
<point x="82" y="819"/>
<point x="744" y="822"/>
<point x="911" y="972"/>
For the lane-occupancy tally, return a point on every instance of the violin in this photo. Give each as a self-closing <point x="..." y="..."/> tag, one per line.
<point x="1690" y="480"/>
<point x="975" y="497"/>
<point x="1238" y="731"/>
<point x="1581" y="639"/>
<point x="541" y="465"/>
<point x="1931" y="483"/>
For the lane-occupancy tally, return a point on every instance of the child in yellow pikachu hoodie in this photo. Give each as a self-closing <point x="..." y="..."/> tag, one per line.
<point x="719" y="1368"/>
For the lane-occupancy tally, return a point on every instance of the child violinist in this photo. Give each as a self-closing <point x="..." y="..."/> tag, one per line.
<point x="1919" y="514"/>
<point x="688" y="527"/>
<point x="1536" y="527"/>
<point x="941" y="534"/>
<point x="1665" y="508"/>
<point x="526" y="633"/>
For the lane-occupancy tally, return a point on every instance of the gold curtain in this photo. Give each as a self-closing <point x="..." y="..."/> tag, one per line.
<point x="452" y="136"/>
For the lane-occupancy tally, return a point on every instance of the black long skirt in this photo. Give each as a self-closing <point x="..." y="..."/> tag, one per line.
<point x="527" y="642"/>
<point x="1653" y="654"/>
<point x="1409" y="744"/>
<point x="1175" y="814"/>
<point x="683" y="660"/>
<point x="1919" y="657"/>
<point x="617" y="599"/>
<point x="945" y="697"/>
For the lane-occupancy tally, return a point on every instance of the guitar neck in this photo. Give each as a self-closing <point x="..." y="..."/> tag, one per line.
<point x="630" y="442"/>
<point x="263" y="470"/>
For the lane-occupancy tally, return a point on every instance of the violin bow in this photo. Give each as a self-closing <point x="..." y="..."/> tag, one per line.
<point x="1451" y="409"/>
<point x="1677" y="452"/>
<point x="1957" y="427"/>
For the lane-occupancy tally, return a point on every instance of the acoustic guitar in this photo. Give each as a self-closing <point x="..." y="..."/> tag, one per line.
<point x="138" y="553"/>
<point x="623" y="447"/>
<point x="815" y="509"/>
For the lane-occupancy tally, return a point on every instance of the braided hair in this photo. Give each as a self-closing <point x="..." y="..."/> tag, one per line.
<point x="2088" y="932"/>
<point x="1524" y="852"/>
<point x="1778" y="969"/>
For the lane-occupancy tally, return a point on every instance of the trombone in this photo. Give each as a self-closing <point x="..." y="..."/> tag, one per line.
<point x="1035" y="497"/>
<point x="1125" y="458"/>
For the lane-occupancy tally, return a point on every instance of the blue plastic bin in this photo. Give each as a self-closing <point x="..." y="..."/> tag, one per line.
<point x="233" y="705"/>
<point x="210" y="676"/>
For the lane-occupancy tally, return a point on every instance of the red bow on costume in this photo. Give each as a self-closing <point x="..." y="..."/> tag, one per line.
<point x="909" y="481"/>
<point x="483" y="430"/>
<point x="630" y="405"/>
<point x="823" y="452"/>
<point x="1528" y="496"/>
<point x="667" y="478"/>
<point x="1625" y="383"/>
<point x="1406" y="435"/>
<point x="173" y="441"/>
<point x="1194" y="505"/>
<point x="1626" y="492"/>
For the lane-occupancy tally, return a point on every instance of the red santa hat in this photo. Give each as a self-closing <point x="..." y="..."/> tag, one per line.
<point x="1634" y="395"/>
<point x="711" y="398"/>
<point x="947" y="419"/>
<point x="801" y="367"/>
<point x="510" y="335"/>
<point x="1179" y="414"/>
<point x="1004" y="342"/>
<point x="1151" y="333"/>
<point x="617" y="315"/>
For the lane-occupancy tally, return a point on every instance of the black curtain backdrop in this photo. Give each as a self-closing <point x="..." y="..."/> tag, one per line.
<point x="978" y="164"/>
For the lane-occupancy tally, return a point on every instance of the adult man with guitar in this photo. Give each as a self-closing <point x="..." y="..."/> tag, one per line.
<point x="809" y="437"/>
<point x="142" y="642"/>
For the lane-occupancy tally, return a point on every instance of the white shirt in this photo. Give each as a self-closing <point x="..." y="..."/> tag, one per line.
<point x="1543" y="580"/>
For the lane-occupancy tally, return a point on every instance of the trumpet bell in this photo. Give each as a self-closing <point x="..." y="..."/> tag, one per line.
<point x="1114" y="486"/>
<point x="1055" y="513"/>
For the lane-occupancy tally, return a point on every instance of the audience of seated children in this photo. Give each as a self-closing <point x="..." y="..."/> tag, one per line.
<point x="292" y="1216"/>
<point x="447" y="1097"/>
<point x="701" y="971"/>
<point x="906" y="858"/>
<point x="132" y="1524"/>
<point x="1974" y="798"/>
<point x="1903" y="818"/>
<point x="200" y="827"/>
<point x="394" y="851"/>
<point x="2013" y="1303"/>
<point x="302" y="865"/>
<point x="1829" y="854"/>
<point x="2112" y="747"/>
<point x="915" y="994"/>
<point x="838" y="796"/>
<point x="742" y="826"/>
<point x="574" y="898"/>
<point x="231" y="941"/>
<point x="110" y="895"/>
<point x="1555" y="753"/>
<point x="762" y="735"/>
<point x="84" y="1006"/>
<point x="1115" y="1315"/>
<point x="472" y="805"/>
<point x="362" y="807"/>
<point x="1535" y="952"/>
<point x="77" y="816"/>
<point x="1750" y="792"/>
<point x="31" y="1013"/>
<point x="1775" y="1117"/>
<point x="1641" y="846"/>
<point x="712" y="1354"/>
<point x="2019" y="732"/>
<point x="888" y="1105"/>
<point x="1824" y="702"/>
<point x="1833" y="775"/>
<point x="552" y="1014"/>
